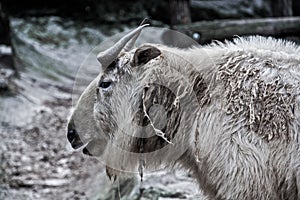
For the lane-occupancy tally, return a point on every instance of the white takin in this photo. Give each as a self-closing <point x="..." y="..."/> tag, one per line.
<point x="227" y="112"/>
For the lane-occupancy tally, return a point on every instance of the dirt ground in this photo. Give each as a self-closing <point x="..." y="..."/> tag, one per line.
<point x="38" y="163"/>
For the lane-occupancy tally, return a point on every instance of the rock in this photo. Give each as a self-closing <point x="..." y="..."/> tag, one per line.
<point x="7" y="85"/>
<point x="5" y="50"/>
<point x="3" y="85"/>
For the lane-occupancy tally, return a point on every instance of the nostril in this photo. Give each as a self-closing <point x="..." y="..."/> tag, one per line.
<point x="71" y="135"/>
<point x="72" y="131"/>
<point x="74" y="138"/>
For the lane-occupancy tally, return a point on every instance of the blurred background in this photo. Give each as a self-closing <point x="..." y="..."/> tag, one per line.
<point x="42" y="46"/>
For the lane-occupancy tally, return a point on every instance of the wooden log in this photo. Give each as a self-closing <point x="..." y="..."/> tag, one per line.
<point x="222" y="29"/>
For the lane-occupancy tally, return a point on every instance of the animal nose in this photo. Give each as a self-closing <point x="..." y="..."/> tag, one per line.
<point x="73" y="136"/>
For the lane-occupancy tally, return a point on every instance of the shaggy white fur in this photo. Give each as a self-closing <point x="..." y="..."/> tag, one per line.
<point x="234" y="112"/>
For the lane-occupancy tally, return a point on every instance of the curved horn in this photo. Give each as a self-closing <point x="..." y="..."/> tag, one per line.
<point x="106" y="57"/>
<point x="131" y="43"/>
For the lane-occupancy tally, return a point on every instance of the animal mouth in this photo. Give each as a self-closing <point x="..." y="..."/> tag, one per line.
<point x="95" y="147"/>
<point x="87" y="152"/>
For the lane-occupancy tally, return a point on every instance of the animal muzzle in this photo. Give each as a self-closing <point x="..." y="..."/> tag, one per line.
<point x="93" y="147"/>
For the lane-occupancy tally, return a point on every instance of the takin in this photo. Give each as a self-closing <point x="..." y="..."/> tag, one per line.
<point x="227" y="112"/>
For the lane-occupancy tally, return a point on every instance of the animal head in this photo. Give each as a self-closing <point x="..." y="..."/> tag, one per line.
<point x="140" y="109"/>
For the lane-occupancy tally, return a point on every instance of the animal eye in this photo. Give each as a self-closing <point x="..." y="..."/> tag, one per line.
<point x="104" y="84"/>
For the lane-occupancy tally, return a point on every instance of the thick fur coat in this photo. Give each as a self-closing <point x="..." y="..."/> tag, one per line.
<point x="228" y="112"/>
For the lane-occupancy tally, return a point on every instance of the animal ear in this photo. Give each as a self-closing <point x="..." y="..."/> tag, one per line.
<point x="144" y="54"/>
